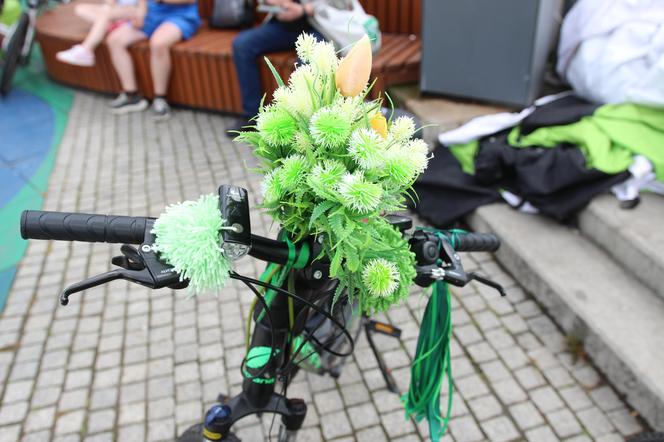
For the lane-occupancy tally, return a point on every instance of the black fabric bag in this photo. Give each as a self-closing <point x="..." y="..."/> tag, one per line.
<point x="232" y="14"/>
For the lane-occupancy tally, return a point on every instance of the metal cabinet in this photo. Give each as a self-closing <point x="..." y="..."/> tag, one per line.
<point x="493" y="50"/>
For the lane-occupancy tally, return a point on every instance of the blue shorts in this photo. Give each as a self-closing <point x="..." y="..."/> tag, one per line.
<point x="185" y="17"/>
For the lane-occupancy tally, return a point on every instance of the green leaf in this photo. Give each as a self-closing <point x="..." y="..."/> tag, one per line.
<point x="337" y="224"/>
<point x="335" y="265"/>
<point x="275" y="74"/>
<point x="352" y="259"/>
<point x="319" y="210"/>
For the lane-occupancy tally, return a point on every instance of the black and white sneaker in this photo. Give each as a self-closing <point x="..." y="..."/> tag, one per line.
<point x="124" y="104"/>
<point x="161" y="111"/>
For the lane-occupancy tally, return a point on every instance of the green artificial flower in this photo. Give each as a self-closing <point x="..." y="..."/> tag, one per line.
<point x="325" y="176"/>
<point x="380" y="277"/>
<point x="271" y="187"/>
<point x="400" y="168"/>
<point x="303" y="80"/>
<point x="304" y="46"/>
<point x="294" y="101"/>
<point x="352" y="107"/>
<point x="329" y="128"/>
<point x="358" y="194"/>
<point x="302" y="142"/>
<point x="418" y="151"/>
<point x="292" y="171"/>
<point x="324" y="57"/>
<point x="402" y="129"/>
<point x="276" y="126"/>
<point x="366" y="148"/>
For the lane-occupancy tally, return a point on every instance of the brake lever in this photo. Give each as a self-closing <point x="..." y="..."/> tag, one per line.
<point x="486" y="281"/>
<point x="142" y="277"/>
<point x="140" y="266"/>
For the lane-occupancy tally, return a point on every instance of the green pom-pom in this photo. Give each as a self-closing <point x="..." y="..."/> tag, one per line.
<point x="330" y="128"/>
<point x="366" y="148"/>
<point x="276" y="126"/>
<point x="187" y="237"/>
<point x="292" y="172"/>
<point x="271" y="187"/>
<point x="380" y="277"/>
<point x="400" y="168"/>
<point x="358" y="194"/>
<point x="324" y="178"/>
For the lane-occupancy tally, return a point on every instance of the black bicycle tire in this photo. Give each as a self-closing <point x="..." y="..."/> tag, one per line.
<point x="24" y="60"/>
<point x="13" y="53"/>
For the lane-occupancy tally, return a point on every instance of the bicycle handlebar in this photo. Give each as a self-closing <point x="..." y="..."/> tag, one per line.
<point x="477" y="242"/>
<point x="66" y="226"/>
<point x="87" y="227"/>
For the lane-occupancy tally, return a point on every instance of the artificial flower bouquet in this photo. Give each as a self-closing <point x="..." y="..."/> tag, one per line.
<point x="332" y="164"/>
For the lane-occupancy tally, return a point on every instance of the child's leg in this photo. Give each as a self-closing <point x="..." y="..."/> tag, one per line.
<point x="89" y="11"/>
<point x="118" y="43"/>
<point x="103" y="21"/>
<point x="161" y="41"/>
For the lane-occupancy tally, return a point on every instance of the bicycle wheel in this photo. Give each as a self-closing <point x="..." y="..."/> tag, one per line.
<point x="13" y="53"/>
<point x="26" y="55"/>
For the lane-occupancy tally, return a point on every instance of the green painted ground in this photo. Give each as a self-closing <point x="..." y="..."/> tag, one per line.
<point x="33" y="80"/>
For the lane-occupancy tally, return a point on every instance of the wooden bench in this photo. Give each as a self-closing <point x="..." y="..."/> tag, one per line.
<point x="203" y="72"/>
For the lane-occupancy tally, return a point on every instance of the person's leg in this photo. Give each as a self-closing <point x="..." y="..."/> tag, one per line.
<point x="100" y="26"/>
<point x="90" y="11"/>
<point x="166" y="35"/>
<point x="247" y="47"/>
<point x="118" y="43"/>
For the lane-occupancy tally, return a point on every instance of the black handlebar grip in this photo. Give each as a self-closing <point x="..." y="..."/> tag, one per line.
<point x="477" y="242"/>
<point x="64" y="226"/>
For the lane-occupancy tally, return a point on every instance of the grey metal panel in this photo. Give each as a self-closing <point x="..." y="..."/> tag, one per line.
<point x="492" y="50"/>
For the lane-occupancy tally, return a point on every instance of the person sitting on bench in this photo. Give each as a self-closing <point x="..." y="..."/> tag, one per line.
<point x="278" y="34"/>
<point x="104" y="18"/>
<point x="164" y="22"/>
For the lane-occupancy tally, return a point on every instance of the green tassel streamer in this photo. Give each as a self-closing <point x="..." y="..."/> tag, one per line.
<point x="432" y="364"/>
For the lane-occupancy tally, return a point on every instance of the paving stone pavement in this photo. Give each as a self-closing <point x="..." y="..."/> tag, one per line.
<point x="125" y="363"/>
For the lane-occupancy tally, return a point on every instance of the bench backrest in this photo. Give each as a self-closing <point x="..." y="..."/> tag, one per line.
<point x="399" y="16"/>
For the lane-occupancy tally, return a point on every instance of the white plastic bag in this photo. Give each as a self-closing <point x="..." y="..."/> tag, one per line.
<point x="343" y="22"/>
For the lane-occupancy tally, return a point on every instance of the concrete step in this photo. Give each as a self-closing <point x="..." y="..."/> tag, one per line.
<point x="590" y="296"/>
<point x="634" y="238"/>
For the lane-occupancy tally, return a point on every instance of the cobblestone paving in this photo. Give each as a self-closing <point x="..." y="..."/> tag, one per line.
<point x="125" y="363"/>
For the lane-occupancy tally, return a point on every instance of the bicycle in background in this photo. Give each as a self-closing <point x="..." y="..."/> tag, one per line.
<point x="17" y="42"/>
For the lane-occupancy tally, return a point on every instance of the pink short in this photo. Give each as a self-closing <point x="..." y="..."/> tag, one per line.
<point x="116" y="24"/>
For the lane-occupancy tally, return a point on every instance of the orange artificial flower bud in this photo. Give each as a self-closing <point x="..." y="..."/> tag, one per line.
<point x="354" y="69"/>
<point x="379" y="124"/>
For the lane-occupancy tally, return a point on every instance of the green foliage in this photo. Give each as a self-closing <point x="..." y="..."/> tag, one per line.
<point x="327" y="171"/>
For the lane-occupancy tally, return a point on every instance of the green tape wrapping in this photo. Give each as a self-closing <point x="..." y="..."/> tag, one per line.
<point x="277" y="274"/>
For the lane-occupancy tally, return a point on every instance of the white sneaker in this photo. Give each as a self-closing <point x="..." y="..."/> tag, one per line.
<point x="161" y="111"/>
<point x="77" y="55"/>
<point x="123" y="104"/>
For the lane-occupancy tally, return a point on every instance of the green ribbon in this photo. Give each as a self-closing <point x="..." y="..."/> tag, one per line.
<point x="432" y="358"/>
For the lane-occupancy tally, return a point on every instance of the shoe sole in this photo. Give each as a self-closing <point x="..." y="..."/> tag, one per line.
<point x="160" y="118"/>
<point x="75" y="62"/>
<point x="137" y="107"/>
